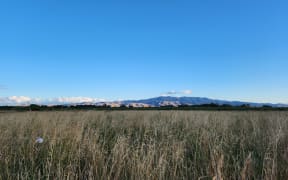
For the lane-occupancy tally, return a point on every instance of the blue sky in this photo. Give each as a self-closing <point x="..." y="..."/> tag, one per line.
<point x="235" y="50"/>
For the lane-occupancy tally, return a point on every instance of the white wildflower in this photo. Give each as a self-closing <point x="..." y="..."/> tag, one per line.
<point x="39" y="140"/>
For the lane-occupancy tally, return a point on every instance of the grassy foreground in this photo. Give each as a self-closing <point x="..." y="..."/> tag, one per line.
<point x="144" y="145"/>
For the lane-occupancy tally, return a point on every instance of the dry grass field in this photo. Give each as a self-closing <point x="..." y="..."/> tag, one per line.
<point x="144" y="145"/>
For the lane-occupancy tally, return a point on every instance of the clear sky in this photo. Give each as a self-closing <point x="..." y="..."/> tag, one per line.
<point x="234" y="50"/>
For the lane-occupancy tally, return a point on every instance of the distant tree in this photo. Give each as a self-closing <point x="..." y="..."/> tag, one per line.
<point x="245" y="106"/>
<point x="122" y="106"/>
<point x="209" y="105"/>
<point x="131" y="106"/>
<point x="226" y="105"/>
<point x="35" y="107"/>
<point x="266" y="106"/>
<point x="183" y="105"/>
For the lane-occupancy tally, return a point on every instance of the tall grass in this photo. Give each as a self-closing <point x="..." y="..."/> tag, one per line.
<point x="144" y="145"/>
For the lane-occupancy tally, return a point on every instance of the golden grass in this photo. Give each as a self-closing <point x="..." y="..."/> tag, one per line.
<point x="144" y="145"/>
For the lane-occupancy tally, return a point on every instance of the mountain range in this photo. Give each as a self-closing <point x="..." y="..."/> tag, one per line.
<point x="177" y="101"/>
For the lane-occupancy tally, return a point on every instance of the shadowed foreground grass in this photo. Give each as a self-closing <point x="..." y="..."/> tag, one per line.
<point x="144" y="145"/>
